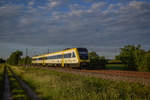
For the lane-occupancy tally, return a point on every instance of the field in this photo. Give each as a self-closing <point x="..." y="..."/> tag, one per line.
<point x="53" y="85"/>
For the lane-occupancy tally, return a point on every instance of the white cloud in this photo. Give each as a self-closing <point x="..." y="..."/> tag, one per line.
<point x="53" y="4"/>
<point x="31" y="3"/>
<point x="98" y="5"/>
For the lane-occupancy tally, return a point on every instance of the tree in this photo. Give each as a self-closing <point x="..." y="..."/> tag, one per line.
<point x="14" y="58"/>
<point x="96" y="60"/>
<point x="2" y="60"/>
<point x="144" y="64"/>
<point x="25" y="61"/>
<point x="147" y="60"/>
<point x="135" y="58"/>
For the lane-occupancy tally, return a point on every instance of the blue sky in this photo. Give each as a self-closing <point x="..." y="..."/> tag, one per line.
<point x="103" y="26"/>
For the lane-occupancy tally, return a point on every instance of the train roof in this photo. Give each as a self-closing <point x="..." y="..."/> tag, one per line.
<point x="53" y="52"/>
<point x="66" y="49"/>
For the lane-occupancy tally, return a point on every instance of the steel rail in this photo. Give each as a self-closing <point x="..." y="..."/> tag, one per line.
<point x="32" y="95"/>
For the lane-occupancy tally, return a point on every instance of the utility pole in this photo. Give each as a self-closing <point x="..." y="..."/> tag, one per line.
<point x="26" y="57"/>
<point x="26" y="52"/>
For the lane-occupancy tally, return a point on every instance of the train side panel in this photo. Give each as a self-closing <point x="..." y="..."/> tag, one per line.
<point x="69" y="57"/>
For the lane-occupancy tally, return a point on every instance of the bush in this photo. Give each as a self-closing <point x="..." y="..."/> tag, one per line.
<point x="135" y="58"/>
<point x="97" y="61"/>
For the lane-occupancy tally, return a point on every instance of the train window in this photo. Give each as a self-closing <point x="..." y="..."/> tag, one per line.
<point x="49" y="57"/>
<point x="54" y="57"/>
<point x="67" y="55"/>
<point x="73" y="55"/>
<point x="40" y="58"/>
<point x="37" y="58"/>
<point x="59" y="56"/>
<point x="33" y="59"/>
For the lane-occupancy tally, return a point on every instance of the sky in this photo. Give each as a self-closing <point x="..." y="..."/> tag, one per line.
<point x="103" y="26"/>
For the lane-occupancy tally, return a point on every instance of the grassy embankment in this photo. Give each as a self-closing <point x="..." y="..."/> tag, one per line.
<point x="17" y="92"/>
<point x="52" y="85"/>
<point x="1" y="80"/>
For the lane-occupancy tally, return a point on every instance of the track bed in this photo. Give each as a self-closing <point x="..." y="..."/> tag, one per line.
<point x="15" y="88"/>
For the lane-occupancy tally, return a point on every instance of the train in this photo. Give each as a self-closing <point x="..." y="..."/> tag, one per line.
<point x="70" y="57"/>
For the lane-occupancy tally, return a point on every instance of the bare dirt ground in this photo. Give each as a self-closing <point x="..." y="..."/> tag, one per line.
<point x="145" y="75"/>
<point x="115" y="75"/>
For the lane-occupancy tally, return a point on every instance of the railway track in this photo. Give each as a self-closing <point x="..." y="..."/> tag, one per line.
<point x="15" y="88"/>
<point x="116" y="75"/>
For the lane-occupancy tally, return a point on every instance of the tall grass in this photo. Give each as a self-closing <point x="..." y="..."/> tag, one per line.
<point x="1" y="80"/>
<point x="52" y="85"/>
<point x="17" y="92"/>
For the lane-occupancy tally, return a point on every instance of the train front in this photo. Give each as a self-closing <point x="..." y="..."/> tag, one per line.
<point x="84" y="58"/>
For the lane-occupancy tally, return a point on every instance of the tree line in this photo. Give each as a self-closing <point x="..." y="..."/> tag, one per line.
<point x="135" y="58"/>
<point x="97" y="61"/>
<point x="2" y="60"/>
<point x="15" y="59"/>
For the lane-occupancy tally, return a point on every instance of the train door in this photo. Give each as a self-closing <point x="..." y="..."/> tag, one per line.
<point x="62" y="64"/>
<point x="43" y="60"/>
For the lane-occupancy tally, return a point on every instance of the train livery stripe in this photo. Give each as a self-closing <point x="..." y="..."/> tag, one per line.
<point x="62" y="60"/>
<point x="77" y="54"/>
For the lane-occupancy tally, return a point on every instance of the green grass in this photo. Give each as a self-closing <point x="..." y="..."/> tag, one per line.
<point x="116" y="67"/>
<point x="52" y="85"/>
<point x="17" y="92"/>
<point x="1" y="80"/>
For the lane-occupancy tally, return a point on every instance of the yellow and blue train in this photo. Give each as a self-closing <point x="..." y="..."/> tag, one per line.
<point x="74" y="57"/>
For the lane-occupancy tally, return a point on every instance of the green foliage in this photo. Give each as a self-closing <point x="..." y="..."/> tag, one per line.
<point x="114" y="61"/>
<point x="17" y="92"/>
<point x="96" y="60"/>
<point x="135" y="58"/>
<point x="1" y="80"/>
<point x="145" y="62"/>
<point x="14" y="58"/>
<point x="115" y="67"/>
<point x="2" y="60"/>
<point x="25" y="61"/>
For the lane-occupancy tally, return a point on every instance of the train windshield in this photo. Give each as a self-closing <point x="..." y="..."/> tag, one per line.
<point x="83" y="53"/>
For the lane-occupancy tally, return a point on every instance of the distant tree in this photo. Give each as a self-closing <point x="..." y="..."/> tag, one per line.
<point x="127" y="56"/>
<point x="96" y="60"/>
<point x="147" y="60"/>
<point x="14" y="58"/>
<point x="144" y="63"/>
<point x="2" y="60"/>
<point x="135" y="58"/>
<point x="25" y="61"/>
